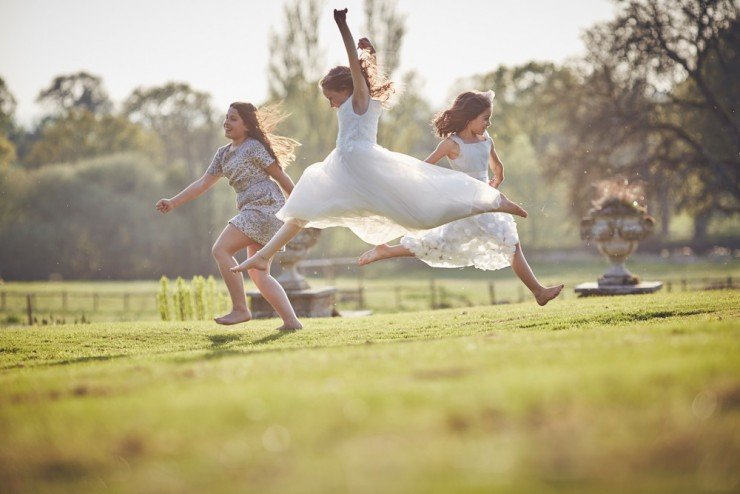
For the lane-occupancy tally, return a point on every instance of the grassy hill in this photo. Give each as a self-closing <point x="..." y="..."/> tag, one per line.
<point x="627" y="394"/>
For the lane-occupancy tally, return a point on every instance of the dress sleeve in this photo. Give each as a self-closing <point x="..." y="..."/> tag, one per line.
<point x="216" y="166"/>
<point x="261" y="156"/>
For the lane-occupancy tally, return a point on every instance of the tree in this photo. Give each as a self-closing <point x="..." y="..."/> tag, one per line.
<point x="82" y="134"/>
<point x="7" y="110"/>
<point x="74" y="92"/>
<point x="296" y="65"/>
<point x="184" y="120"/>
<point x="386" y="28"/>
<point x="655" y="100"/>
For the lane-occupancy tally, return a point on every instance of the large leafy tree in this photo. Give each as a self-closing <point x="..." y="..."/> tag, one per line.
<point x="655" y="100"/>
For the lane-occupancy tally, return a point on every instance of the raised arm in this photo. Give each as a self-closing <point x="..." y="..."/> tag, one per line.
<point x="497" y="167"/>
<point x="189" y="193"/>
<point x="361" y="93"/>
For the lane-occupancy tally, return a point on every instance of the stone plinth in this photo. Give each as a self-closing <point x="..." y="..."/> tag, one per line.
<point x="311" y="302"/>
<point x="593" y="288"/>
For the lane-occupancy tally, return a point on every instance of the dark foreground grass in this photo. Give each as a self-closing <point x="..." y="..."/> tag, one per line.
<point x="629" y="394"/>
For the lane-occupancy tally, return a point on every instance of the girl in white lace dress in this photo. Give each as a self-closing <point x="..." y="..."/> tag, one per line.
<point x="487" y="241"/>
<point x="253" y="162"/>
<point x="380" y="195"/>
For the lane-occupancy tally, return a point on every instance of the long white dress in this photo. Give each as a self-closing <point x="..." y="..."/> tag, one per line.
<point x="486" y="241"/>
<point x="380" y="195"/>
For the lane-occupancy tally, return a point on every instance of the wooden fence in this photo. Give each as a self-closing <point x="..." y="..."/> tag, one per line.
<point x="52" y="307"/>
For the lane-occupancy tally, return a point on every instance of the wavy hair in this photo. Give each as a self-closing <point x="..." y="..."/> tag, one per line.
<point x="466" y="107"/>
<point x="260" y="123"/>
<point x="340" y="78"/>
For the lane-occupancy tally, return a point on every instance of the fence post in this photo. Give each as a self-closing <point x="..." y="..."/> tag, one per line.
<point x="29" y="309"/>
<point x="433" y="292"/>
<point x="683" y="284"/>
<point x="491" y="293"/>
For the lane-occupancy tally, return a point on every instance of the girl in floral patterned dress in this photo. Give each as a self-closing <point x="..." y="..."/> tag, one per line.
<point x="487" y="241"/>
<point x="253" y="162"/>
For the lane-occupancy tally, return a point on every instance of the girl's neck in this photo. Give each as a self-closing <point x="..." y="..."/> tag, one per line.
<point x="468" y="135"/>
<point x="238" y="142"/>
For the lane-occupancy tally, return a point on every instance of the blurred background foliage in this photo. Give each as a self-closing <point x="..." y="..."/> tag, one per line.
<point x="653" y="99"/>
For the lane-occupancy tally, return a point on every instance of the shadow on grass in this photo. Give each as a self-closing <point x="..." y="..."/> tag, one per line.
<point x="79" y="360"/>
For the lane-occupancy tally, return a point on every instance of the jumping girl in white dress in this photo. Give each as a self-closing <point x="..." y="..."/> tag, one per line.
<point x="380" y="195"/>
<point x="487" y="241"/>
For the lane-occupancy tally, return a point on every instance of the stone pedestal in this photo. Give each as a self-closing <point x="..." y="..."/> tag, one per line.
<point x="311" y="302"/>
<point x="592" y="288"/>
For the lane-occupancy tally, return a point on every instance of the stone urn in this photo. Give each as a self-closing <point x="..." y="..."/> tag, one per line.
<point x="306" y="301"/>
<point x="294" y="252"/>
<point x="616" y="224"/>
<point x="616" y="227"/>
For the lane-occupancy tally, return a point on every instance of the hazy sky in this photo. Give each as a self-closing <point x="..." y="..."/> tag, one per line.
<point x="221" y="46"/>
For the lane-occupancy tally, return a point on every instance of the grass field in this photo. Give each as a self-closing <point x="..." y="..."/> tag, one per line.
<point x="625" y="394"/>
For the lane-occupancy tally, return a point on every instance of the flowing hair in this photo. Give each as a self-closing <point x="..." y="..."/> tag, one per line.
<point x="340" y="78"/>
<point x="260" y="123"/>
<point x="465" y="108"/>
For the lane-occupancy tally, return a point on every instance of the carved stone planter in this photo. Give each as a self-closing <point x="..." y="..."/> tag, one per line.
<point x="307" y="301"/>
<point x="616" y="226"/>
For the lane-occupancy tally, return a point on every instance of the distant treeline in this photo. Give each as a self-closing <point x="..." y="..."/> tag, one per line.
<point x="653" y="100"/>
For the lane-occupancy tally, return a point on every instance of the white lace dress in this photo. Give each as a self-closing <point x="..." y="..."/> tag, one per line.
<point x="486" y="241"/>
<point x="380" y="195"/>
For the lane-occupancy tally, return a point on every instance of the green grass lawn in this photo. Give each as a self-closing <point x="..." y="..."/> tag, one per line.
<point x="623" y="394"/>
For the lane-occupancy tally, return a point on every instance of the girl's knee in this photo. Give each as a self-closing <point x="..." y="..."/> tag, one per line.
<point x="218" y="251"/>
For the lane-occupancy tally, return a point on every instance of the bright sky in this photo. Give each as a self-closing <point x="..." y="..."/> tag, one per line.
<point x="221" y="46"/>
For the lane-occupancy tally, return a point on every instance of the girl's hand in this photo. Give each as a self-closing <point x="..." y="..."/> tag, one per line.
<point x="340" y="16"/>
<point x="165" y="205"/>
<point x="495" y="182"/>
<point x="364" y="44"/>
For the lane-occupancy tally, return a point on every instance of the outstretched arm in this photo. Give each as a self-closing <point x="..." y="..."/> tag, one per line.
<point x="448" y="148"/>
<point x="189" y="193"/>
<point x="497" y="167"/>
<point x="361" y="93"/>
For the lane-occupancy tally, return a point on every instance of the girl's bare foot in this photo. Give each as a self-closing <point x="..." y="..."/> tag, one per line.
<point x="506" y="206"/>
<point x="293" y="326"/>
<point x="234" y="317"/>
<point x="254" y="262"/>
<point x="375" y="254"/>
<point x="548" y="293"/>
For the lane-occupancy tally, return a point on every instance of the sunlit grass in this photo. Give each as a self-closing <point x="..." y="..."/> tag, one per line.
<point x="626" y="394"/>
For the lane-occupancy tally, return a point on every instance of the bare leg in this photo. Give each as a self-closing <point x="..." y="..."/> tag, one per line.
<point x="260" y="260"/>
<point x="521" y="267"/>
<point x="229" y="243"/>
<point x="274" y="294"/>
<point x="383" y="251"/>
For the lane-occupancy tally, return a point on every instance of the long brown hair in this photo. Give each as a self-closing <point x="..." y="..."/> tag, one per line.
<point x="340" y="78"/>
<point x="260" y="123"/>
<point x="466" y="107"/>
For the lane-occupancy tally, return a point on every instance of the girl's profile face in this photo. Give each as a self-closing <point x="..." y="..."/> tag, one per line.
<point x="480" y="123"/>
<point x="234" y="127"/>
<point x="336" y="98"/>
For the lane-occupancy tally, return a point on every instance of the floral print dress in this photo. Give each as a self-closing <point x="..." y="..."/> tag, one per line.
<point x="258" y="196"/>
